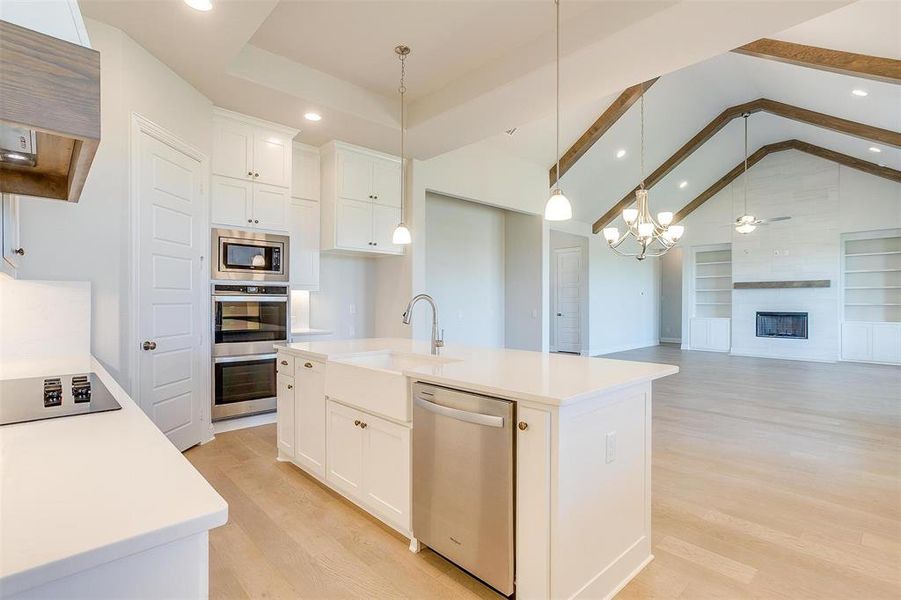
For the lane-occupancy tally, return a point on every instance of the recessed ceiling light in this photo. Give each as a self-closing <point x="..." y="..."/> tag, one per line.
<point x="683" y="185"/>
<point x="860" y="93"/>
<point x="620" y="153"/>
<point x="311" y="116"/>
<point x="203" y="5"/>
<point x="875" y="149"/>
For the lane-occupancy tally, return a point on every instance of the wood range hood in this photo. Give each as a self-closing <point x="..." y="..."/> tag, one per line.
<point x="49" y="114"/>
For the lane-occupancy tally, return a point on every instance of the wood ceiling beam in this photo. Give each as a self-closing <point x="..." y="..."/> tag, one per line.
<point x="753" y="159"/>
<point x="795" y="113"/>
<point x="617" y="109"/>
<point x="876" y="68"/>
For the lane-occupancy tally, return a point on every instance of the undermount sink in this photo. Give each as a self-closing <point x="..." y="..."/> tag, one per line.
<point x="395" y="362"/>
<point x="374" y="381"/>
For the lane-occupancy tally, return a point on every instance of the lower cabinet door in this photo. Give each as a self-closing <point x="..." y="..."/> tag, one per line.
<point x="284" y="405"/>
<point x="344" y="463"/>
<point x="719" y="336"/>
<point x="309" y="411"/>
<point x="386" y="470"/>
<point x="887" y="342"/>
<point x="533" y="502"/>
<point x="856" y="341"/>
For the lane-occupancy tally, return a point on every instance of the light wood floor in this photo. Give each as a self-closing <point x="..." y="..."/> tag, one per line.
<point x="772" y="479"/>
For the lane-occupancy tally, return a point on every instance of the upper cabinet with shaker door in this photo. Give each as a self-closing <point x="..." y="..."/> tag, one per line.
<point x="9" y="235"/>
<point x="254" y="153"/>
<point x="360" y="198"/>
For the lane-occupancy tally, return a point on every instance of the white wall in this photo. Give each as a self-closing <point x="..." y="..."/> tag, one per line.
<point x="561" y="240"/>
<point x="343" y="304"/>
<point x="671" y="295"/>
<point x="464" y="250"/>
<point x="524" y="281"/>
<point x="824" y="200"/>
<point x="91" y="240"/>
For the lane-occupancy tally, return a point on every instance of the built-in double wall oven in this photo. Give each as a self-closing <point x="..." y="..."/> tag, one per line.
<point x="247" y="321"/>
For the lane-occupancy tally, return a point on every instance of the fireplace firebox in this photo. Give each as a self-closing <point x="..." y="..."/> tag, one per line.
<point x="785" y="325"/>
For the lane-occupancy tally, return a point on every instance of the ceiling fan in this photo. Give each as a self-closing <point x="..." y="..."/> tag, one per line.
<point x="747" y="222"/>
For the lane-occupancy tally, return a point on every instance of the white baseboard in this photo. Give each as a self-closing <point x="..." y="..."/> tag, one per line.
<point x="243" y="422"/>
<point x="622" y="348"/>
<point x="774" y="357"/>
<point x="671" y="340"/>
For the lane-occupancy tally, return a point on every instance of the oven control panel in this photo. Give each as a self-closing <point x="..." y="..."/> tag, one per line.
<point x="264" y="290"/>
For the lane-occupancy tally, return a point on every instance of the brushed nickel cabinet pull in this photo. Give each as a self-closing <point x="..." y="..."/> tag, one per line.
<point x="308" y="365"/>
<point x="284" y="362"/>
<point x="523" y="425"/>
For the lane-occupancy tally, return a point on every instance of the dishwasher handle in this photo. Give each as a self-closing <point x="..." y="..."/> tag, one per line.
<point x="460" y="415"/>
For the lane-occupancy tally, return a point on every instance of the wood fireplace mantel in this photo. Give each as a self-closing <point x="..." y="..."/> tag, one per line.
<point x="768" y="285"/>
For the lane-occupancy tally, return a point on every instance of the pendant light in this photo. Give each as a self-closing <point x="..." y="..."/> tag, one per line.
<point x="640" y="225"/>
<point x="558" y="207"/>
<point x="401" y="236"/>
<point x="746" y="223"/>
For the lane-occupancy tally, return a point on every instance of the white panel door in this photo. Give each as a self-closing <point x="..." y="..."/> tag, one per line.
<point x="233" y="149"/>
<point x="856" y="341"/>
<point x="353" y="223"/>
<point x="305" y="169"/>
<point x="231" y="202"/>
<point x="386" y="469"/>
<point x="354" y="176"/>
<point x="384" y="221"/>
<point x="310" y="417"/>
<point x="887" y="342"/>
<point x="9" y="236"/>
<point x="568" y="300"/>
<point x="344" y="462"/>
<point x="303" y="219"/>
<point x="270" y="207"/>
<point x="271" y="158"/>
<point x="285" y="406"/>
<point x="171" y="289"/>
<point x="533" y="503"/>
<point x="386" y="182"/>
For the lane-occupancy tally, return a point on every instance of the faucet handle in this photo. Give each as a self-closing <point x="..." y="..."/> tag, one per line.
<point x="440" y="341"/>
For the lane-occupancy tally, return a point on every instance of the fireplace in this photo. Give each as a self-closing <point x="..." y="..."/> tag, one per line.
<point x="786" y="325"/>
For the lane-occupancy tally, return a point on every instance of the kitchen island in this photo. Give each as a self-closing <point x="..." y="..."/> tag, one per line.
<point x="102" y="506"/>
<point x="582" y="459"/>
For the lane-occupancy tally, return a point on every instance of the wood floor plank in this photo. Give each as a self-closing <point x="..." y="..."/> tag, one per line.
<point x="775" y="480"/>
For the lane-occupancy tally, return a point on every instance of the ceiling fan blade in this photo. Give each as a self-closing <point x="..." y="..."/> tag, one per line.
<point x="774" y="219"/>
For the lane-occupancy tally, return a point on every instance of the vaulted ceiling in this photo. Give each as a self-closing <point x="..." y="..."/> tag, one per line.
<point x="477" y="68"/>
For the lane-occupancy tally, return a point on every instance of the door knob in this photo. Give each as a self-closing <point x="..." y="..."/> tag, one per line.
<point x="523" y="425"/>
<point x="559" y="314"/>
<point x="19" y="251"/>
<point x="148" y="345"/>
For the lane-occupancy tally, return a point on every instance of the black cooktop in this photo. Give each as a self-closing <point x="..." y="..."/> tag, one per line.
<point x="38" y="398"/>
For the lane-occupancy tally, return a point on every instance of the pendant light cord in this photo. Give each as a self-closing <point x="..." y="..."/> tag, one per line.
<point x="745" y="116"/>
<point x="641" y="160"/>
<point x="557" y="29"/>
<point x="403" y="90"/>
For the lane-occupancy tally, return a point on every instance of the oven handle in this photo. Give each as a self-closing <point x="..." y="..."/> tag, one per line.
<point x="245" y="358"/>
<point x="249" y="298"/>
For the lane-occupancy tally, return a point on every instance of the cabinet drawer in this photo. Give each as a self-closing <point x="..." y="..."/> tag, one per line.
<point x="284" y="364"/>
<point x="303" y="365"/>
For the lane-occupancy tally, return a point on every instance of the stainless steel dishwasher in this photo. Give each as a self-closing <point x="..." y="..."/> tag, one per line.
<point x="463" y="480"/>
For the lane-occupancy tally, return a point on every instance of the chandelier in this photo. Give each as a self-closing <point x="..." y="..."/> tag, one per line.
<point x="654" y="237"/>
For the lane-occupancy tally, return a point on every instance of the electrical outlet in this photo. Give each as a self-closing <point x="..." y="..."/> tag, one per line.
<point x="351" y="331"/>
<point x="534" y="313"/>
<point x="352" y="309"/>
<point x="611" y="447"/>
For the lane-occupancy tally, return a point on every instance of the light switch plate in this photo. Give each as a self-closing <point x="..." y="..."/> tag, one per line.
<point x="611" y="446"/>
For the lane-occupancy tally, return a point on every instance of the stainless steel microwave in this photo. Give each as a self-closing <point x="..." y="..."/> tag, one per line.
<point x="249" y="256"/>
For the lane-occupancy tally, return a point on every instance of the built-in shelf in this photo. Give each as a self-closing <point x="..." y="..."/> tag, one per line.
<point x="872" y="277"/>
<point x="873" y="287"/>
<point x="768" y="285"/>
<point x="713" y="283"/>
<point x="715" y="262"/>
<point x="874" y="253"/>
<point x="714" y="277"/>
<point x="873" y="271"/>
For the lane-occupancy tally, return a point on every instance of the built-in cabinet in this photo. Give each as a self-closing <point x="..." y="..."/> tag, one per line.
<point x="252" y="172"/>
<point x="13" y="251"/>
<point x="871" y="326"/>
<point x="361" y="199"/>
<point x="364" y="456"/>
<point x="304" y="218"/>
<point x="711" y="324"/>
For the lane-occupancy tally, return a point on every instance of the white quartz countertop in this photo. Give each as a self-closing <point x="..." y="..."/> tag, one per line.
<point x="555" y="379"/>
<point x="80" y="491"/>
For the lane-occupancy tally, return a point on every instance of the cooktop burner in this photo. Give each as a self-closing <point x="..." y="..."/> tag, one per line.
<point x="38" y="398"/>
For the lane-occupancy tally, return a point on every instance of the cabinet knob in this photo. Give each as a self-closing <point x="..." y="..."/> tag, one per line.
<point x="250" y="220"/>
<point x="290" y="387"/>
<point x="363" y="425"/>
<point x="308" y="365"/>
<point x="19" y="251"/>
<point x="256" y="174"/>
<point x="523" y="425"/>
<point x="148" y="345"/>
<point x="356" y="422"/>
<point x="256" y="220"/>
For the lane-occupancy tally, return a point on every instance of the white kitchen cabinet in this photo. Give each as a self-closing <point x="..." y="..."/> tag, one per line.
<point x="285" y="433"/>
<point x="533" y="501"/>
<point x="871" y="342"/>
<point x="712" y="334"/>
<point x="344" y="458"/>
<point x="13" y="251"/>
<point x="252" y="172"/>
<point x="360" y="199"/>
<point x="309" y="416"/>
<point x="305" y="172"/>
<point x="303" y="225"/>
<point x="386" y="469"/>
<point x="270" y="207"/>
<point x="232" y="202"/>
